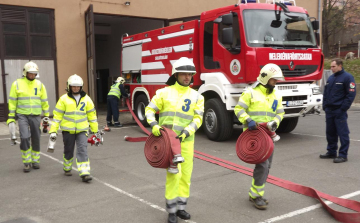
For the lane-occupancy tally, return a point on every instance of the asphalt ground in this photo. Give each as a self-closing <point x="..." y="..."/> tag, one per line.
<point x="126" y="188"/>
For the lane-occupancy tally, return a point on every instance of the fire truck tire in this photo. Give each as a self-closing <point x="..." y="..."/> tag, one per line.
<point x="218" y="122"/>
<point x="140" y="103"/>
<point x="287" y="125"/>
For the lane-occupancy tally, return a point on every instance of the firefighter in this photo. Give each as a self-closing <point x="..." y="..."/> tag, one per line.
<point x="27" y="99"/>
<point x="261" y="103"/>
<point x="113" y="97"/>
<point x="181" y="109"/>
<point x="74" y="112"/>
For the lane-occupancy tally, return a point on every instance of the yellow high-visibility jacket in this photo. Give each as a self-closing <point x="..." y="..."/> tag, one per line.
<point x="115" y="90"/>
<point x="73" y="117"/>
<point x="180" y="108"/>
<point x="27" y="98"/>
<point x="255" y="104"/>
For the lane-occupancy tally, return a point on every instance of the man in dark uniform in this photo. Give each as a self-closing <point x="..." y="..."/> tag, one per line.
<point x="339" y="94"/>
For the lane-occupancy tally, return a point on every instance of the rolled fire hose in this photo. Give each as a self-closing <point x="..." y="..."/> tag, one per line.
<point x="255" y="146"/>
<point x="307" y="191"/>
<point x="157" y="150"/>
<point x="156" y="147"/>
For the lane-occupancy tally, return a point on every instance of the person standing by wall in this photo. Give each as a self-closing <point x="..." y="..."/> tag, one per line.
<point x="113" y="97"/>
<point x="261" y="103"/>
<point x="181" y="109"/>
<point x="27" y="99"/>
<point x="339" y="94"/>
<point x="74" y="112"/>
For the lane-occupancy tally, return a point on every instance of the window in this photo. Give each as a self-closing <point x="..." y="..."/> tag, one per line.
<point x="15" y="45"/>
<point x="236" y="32"/>
<point x="27" y="32"/>
<point x="209" y="62"/>
<point x="263" y="29"/>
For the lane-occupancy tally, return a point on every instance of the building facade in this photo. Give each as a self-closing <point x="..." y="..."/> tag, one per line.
<point x="84" y="37"/>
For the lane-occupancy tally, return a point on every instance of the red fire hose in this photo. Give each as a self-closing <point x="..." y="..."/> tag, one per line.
<point x="157" y="150"/>
<point x="255" y="146"/>
<point x="308" y="191"/>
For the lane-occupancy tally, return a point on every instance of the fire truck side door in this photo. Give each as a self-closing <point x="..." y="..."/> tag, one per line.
<point x="227" y="46"/>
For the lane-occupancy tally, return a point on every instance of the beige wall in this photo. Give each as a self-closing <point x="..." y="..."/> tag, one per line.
<point x="70" y="23"/>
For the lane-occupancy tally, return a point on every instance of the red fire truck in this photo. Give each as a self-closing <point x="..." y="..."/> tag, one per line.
<point x="229" y="46"/>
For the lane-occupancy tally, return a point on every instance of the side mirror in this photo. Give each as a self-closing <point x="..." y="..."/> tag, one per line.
<point x="315" y="24"/>
<point x="227" y="19"/>
<point x="227" y="36"/>
<point x="276" y="23"/>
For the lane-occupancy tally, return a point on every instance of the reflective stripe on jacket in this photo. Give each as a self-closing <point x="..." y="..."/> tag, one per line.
<point x="255" y="104"/>
<point x="180" y="108"/>
<point x="115" y="90"/>
<point x="27" y="98"/>
<point x="73" y="117"/>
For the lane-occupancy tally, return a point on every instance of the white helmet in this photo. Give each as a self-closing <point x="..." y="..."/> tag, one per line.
<point x="30" y="67"/>
<point x="74" y="80"/>
<point x="269" y="71"/>
<point x="182" y="65"/>
<point x="120" y="80"/>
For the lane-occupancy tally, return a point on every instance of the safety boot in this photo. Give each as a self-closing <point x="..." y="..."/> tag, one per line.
<point x="183" y="214"/>
<point x="86" y="178"/>
<point x="259" y="203"/>
<point x="118" y="125"/>
<point x="110" y="124"/>
<point x="27" y="167"/>
<point x="172" y="218"/>
<point x="35" y="165"/>
<point x="327" y="156"/>
<point x="68" y="173"/>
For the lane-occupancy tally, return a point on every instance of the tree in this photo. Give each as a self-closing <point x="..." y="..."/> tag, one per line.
<point x="336" y="16"/>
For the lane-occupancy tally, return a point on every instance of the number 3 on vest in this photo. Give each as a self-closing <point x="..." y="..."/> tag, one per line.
<point x="187" y="105"/>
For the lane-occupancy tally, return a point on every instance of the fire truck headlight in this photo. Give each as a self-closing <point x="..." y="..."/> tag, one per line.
<point x="316" y="90"/>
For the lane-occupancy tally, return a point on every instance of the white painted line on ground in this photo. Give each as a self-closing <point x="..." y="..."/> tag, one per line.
<point x="118" y="189"/>
<point x="356" y="140"/>
<point x="307" y="209"/>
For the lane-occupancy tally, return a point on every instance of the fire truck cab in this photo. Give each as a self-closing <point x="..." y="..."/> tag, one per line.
<point x="229" y="46"/>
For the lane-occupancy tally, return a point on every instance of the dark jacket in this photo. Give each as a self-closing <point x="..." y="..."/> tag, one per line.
<point x="340" y="91"/>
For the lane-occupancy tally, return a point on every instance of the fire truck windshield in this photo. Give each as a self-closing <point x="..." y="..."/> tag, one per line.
<point x="264" y="29"/>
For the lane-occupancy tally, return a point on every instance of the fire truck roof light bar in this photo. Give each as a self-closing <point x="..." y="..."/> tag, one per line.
<point x="286" y="2"/>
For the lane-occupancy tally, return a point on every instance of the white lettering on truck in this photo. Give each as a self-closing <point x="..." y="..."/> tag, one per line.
<point x="161" y="50"/>
<point x="290" y="56"/>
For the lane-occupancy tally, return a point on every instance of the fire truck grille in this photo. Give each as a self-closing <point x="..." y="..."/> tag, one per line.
<point x="287" y="87"/>
<point x="299" y="70"/>
<point x="295" y="98"/>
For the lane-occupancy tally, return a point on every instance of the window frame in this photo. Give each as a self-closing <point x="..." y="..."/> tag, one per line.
<point x="27" y="10"/>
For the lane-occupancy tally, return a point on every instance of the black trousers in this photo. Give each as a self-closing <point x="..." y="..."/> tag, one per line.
<point x="112" y="109"/>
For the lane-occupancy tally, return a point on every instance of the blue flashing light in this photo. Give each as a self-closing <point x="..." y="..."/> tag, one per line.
<point x="248" y="1"/>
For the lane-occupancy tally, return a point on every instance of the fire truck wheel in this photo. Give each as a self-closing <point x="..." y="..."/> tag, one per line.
<point x="140" y="103"/>
<point x="217" y="122"/>
<point x="287" y="125"/>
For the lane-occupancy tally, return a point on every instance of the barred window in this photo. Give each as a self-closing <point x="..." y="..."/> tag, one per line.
<point x="27" y="32"/>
